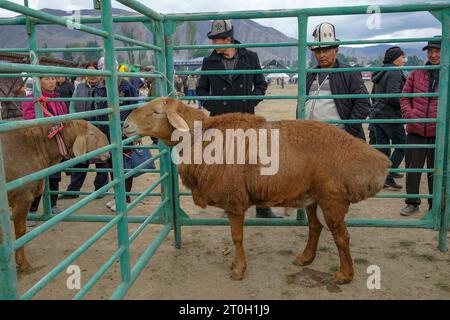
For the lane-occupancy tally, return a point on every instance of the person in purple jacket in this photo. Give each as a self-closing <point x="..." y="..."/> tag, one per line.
<point x="56" y="108"/>
<point x="420" y="81"/>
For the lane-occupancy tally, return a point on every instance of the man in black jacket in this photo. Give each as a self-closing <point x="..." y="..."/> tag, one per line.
<point x="65" y="88"/>
<point x="336" y="83"/>
<point x="389" y="108"/>
<point x="231" y="85"/>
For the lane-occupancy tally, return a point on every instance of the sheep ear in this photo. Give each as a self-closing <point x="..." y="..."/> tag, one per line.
<point x="177" y="121"/>
<point x="79" y="147"/>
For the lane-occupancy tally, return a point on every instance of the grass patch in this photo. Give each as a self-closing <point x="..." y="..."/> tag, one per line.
<point x="361" y="261"/>
<point x="333" y="268"/>
<point x="286" y="252"/>
<point x="406" y="244"/>
<point x="426" y="256"/>
<point x="290" y="279"/>
<point x="286" y="293"/>
<point x="442" y="286"/>
<point x="392" y="255"/>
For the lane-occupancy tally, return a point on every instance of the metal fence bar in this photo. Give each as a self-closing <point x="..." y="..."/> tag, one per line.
<point x="142" y="262"/>
<point x="58" y="218"/>
<point x="97" y="276"/>
<point x="18" y="67"/>
<point x="139" y="7"/>
<point x="148" y="220"/>
<point x="21" y="124"/>
<point x="308" y="97"/>
<point x="311" y="43"/>
<point x="441" y="205"/>
<point x="144" y="164"/>
<point x="98" y="218"/>
<point x="48" y="17"/>
<point x="146" y="192"/>
<point x="66" y="262"/>
<point x="8" y="274"/>
<point x="383" y="223"/>
<point x="292" y="13"/>
<point x="116" y="137"/>
<point x="56" y="168"/>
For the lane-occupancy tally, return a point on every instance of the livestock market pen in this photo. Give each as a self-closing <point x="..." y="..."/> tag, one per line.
<point x="169" y="214"/>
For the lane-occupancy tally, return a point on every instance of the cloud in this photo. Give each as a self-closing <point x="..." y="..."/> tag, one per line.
<point x="349" y="27"/>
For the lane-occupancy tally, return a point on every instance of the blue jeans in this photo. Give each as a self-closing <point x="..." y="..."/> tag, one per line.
<point x="385" y="133"/>
<point x="191" y="93"/>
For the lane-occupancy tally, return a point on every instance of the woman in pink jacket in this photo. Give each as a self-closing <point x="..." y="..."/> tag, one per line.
<point x="56" y="108"/>
<point x="420" y="81"/>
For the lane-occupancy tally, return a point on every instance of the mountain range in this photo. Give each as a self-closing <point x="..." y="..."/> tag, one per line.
<point x="246" y="31"/>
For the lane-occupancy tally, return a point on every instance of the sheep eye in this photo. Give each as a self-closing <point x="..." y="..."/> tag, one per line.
<point x="91" y="133"/>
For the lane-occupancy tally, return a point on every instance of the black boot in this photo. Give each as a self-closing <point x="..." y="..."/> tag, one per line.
<point x="266" y="213"/>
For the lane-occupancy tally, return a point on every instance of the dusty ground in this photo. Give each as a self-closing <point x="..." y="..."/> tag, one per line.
<point x="411" y="266"/>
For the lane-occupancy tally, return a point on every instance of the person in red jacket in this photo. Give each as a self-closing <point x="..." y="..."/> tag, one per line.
<point x="56" y="108"/>
<point x="420" y="81"/>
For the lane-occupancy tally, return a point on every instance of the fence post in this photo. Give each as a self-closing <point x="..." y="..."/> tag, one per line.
<point x="169" y="29"/>
<point x="37" y="92"/>
<point x="444" y="103"/>
<point x="8" y="275"/>
<point x="116" y="138"/>
<point x="302" y="22"/>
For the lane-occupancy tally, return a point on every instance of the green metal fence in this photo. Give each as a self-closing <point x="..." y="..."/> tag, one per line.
<point x="169" y="212"/>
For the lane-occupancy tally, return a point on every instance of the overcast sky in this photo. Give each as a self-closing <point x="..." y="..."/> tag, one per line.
<point x="348" y="27"/>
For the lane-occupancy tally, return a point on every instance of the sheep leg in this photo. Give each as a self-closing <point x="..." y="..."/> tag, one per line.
<point x="315" y="227"/>
<point x="237" y="233"/>
<point x="20" y="217"/>
<point x="342" y="240"/>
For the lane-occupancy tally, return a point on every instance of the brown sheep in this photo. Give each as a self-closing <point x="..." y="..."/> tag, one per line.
<point x="320" y="167"/>
<point x="29" y="150"/>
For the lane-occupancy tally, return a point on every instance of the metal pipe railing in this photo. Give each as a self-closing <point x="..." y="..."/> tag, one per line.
<point x="50" y="18"/>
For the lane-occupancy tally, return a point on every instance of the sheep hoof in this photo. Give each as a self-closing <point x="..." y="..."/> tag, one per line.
<point x="237" y="275"/>
<point x="341" y="278"/>
<point x="303" y="260"/>
<point x="23" y="267"/>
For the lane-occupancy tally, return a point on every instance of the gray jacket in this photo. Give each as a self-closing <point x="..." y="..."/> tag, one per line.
<point x="84" y="90"/>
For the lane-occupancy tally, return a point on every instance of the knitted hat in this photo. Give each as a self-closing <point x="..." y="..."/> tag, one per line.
<point x="392" y="54"/>
<point x="220" y="29"/>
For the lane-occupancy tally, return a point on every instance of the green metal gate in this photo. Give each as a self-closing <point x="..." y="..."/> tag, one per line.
<point x="169" y="213"/>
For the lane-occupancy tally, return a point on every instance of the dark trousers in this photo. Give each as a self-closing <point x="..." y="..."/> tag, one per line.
<point x="191" y="93"/>
<point x="53" y="186"/>
<point x="385" y="133"/>
<point x="77" y="178"/>
<point x="128" y="182"/>
<point x="415" y="159"/>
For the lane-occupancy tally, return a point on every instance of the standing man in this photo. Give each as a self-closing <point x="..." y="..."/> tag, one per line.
<point x="64" y="88"/>
<point x="231" y="85"/>
<point x="191" y="86"/>
<point x="335" y="83"/>
<point x="391" y="81"/>
<point x="420" y="81"/>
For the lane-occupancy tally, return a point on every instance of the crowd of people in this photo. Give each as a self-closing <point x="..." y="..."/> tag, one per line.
<point x="341" y="83"/>
<point x="87" y="87"/>
<point x="317" y="84"/>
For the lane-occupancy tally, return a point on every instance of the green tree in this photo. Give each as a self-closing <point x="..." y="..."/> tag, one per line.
<point x="92" y="55"/>
<point x="200" y="53"/>
<point x="68" y="55"/>
<point x="414" y="61"/>
<point x="46" y="54"/>
<point x="191" y="34"/>
<point x="128" y="31"/>
<point x="377" y="62"/>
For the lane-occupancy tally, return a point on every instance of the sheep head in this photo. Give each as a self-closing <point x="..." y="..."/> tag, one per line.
<point x="159" y="118"/>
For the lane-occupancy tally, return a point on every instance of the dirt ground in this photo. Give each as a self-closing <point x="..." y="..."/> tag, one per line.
<point x="411" y="265"/>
